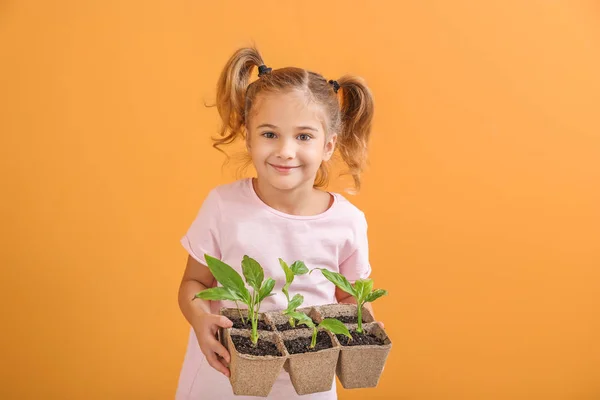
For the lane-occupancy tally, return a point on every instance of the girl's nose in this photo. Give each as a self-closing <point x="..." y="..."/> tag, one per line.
<point x="286" y="149"/>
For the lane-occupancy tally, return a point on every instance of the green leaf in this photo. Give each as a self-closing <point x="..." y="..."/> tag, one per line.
<point x="228" y="277"/>
<point x="289" y="277"/>
<point x="299" y="268"/>
<point x="302" y="318"/>
<point x="359" y="288"/>
<point x="289" y="274"/>
<point x="218" y="293"/>
<point x="253" y="272"/>
<point x="295" y="302"/>
<point x="363" y="288"/>
<point x="335" y="326"/>
<point x="266" y="289"/>
<point x="338" y="280"/>
<point x="375" y="295"/>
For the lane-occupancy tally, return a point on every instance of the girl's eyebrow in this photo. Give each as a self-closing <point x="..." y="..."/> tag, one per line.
<point x="266" y="126"/>
<point x="310" y="128"/>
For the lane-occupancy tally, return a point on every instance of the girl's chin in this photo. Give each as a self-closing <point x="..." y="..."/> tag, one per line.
<point x="283" y="182"/>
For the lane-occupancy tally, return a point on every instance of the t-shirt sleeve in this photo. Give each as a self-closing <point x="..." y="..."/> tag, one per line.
<point x="202" y="236"/>
<point x="357" y="265"/>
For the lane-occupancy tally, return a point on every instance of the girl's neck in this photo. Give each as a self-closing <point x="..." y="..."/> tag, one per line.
<point x="305" y="200"/>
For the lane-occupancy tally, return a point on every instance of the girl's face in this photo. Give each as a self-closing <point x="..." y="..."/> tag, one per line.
<point x="287" y="141"/>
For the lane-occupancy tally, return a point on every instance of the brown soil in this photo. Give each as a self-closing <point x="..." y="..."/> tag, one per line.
<point x="262" y="325"/>
<point x="263" y="347"/>
<point x="349" y="319"/>
<point x="287" y="326"/>
<point x="360" y="339"/>
<point x="302" y="344"/>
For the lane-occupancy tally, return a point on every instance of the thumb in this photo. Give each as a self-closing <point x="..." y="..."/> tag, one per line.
<point x="224" y="322"/>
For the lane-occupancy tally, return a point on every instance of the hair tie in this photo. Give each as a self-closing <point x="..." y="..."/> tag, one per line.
<point x="336" y="86"/>
<point x="263" y="69"/>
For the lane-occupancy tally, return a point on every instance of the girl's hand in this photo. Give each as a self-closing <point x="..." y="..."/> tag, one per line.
<point x="206" y="329"/>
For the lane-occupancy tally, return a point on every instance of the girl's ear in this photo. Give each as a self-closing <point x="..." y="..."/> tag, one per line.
<point x="329" y="147"/>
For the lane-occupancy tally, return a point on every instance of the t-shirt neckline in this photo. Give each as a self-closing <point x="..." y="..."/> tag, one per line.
<point x="250" y="188"/>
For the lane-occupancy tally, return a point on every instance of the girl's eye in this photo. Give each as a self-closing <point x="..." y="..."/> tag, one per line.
<point x="304" y="137"/>
<point x="269" y="135"/>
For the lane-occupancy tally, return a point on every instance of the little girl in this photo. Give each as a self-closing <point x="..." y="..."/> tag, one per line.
<point x="292" y="120"/>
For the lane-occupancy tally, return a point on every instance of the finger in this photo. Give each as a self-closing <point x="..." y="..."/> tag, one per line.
<point x="216" y="364"/>
<point x="218" y="348"/>
<point x="223" y="322"/>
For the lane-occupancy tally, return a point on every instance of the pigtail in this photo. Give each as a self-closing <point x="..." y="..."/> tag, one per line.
<point x="231" y="90"/>
<point x="356" y="117"/>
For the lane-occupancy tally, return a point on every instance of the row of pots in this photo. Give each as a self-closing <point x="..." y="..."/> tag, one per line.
<point x="358" y="366"/>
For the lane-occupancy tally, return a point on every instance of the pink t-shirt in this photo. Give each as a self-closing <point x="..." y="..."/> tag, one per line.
<point x="233" y="222"/>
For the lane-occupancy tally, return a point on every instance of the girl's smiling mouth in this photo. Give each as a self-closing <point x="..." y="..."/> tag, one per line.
<point x="283" y="168"/>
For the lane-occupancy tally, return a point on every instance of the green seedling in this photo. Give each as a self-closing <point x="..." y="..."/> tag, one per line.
<point x="331" y="324"/>
<point x="234" y="289"/>
<point x="296" y="269"/>
<point x="362" y="291"/>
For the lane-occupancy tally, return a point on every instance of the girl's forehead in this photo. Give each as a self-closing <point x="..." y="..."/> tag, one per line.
<point x="288" y="109"/>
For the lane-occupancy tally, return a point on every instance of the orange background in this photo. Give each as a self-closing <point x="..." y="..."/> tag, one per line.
<point x="483" y="194"/>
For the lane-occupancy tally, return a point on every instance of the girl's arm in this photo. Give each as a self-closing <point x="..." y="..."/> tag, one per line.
<point x="196" y="278"/>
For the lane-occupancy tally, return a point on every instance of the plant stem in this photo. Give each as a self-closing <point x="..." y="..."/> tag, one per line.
<point x="256" y="313"/>
<point x="251" y="307"/>
<point x="359" y="313"/>
<point x="254" y="333"/>
<point x="240" y="312"/>
<point x="313" y="342"/>
<point x="292" y="322"/>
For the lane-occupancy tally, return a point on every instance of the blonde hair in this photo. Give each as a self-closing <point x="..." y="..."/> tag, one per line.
<point x="348" y="109"/>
